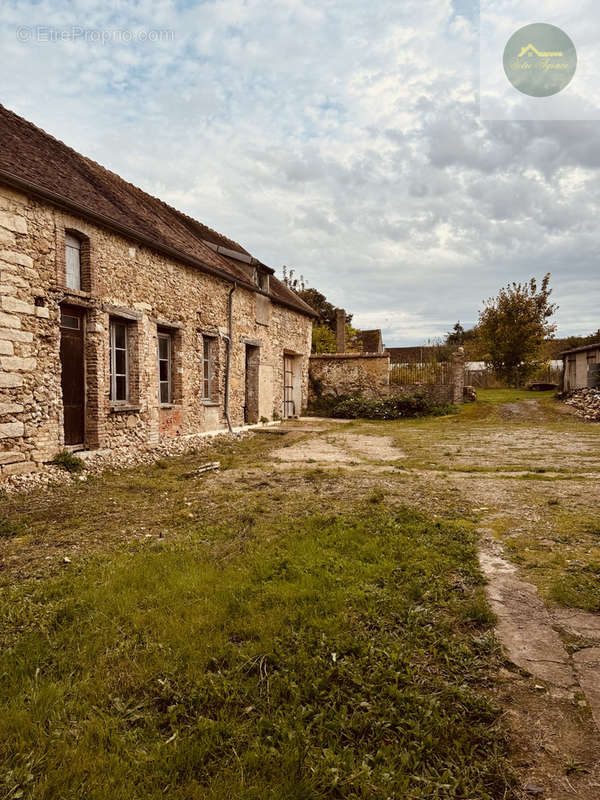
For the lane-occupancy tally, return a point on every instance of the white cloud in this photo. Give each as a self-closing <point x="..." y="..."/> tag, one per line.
<point x="338" y="137"/>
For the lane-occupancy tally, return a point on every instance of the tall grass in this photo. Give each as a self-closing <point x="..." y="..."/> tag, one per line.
<point x="337" y="656"/>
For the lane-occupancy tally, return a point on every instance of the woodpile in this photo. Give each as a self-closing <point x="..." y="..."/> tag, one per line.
<point x="586" y="403"/>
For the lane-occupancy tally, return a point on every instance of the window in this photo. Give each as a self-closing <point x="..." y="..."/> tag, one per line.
<point x="73" y="262"/>
<point x="164" y="367"/>
<point x="208" y="367"/>
<point x="119" y="380"/>
<point x="263" y="281"/>
<point x="70" y="321"/>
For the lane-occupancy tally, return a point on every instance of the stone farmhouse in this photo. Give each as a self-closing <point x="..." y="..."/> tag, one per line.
<point x="123" y="321"/>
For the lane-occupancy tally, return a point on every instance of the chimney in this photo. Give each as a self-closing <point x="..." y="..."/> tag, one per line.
<point x="340" y="330"/>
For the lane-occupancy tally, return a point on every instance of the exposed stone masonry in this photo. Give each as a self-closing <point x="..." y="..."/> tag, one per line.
<point x="149" y="292"/>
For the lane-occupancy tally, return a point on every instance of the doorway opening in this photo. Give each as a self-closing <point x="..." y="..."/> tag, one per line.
<point x="251" y="415"/>
<point x="72" y="362"/>
<point x="292" y="395"/>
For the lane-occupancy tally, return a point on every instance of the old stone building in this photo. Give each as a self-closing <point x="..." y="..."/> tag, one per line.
<point x="123" y="321"/>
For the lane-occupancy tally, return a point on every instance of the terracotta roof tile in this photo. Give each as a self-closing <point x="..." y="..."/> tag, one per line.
<point x="41" y="161"/>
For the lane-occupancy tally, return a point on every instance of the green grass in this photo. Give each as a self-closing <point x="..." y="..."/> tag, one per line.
<point x="67" y="461"/>
<point x="333" y="655"/>
<point x="578" y="590"/>
<point x="561" y="555"/>
<point x="10" y="528"/>
<point x="510" y="395"/>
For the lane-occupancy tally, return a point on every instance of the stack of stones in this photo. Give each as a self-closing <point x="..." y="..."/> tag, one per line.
<point x="586" y="402"/>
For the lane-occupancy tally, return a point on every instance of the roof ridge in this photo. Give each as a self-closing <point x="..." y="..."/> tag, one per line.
<point x="44" y="163"/>
<point x="40" y="130"/>
<point x="185" y="217"/>
<point x="84" y="158"/>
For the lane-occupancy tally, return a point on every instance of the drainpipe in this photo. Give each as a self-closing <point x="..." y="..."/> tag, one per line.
<point x="228" y="340"/>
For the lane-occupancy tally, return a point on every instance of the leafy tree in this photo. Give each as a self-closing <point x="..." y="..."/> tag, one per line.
<point x="459" y="337"/>
<point x="314" y="298"/>
<point x="324" y="332"/>
<point x="513" y="326"/>
<point x="456" y="336"/>
<point x="580" y="341"/>
<point x="323" y="339"/>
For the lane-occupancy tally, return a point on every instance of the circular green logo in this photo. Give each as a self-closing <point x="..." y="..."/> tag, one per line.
<point x="540" y="60"/>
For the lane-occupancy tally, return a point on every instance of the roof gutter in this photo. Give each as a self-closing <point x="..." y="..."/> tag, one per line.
<point x="58" y="200"/>
<point x="582" y="349"/>
<point x="117" y="227"/>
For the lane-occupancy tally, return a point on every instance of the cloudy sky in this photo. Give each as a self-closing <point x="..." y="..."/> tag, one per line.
<point x="340" y="137"/>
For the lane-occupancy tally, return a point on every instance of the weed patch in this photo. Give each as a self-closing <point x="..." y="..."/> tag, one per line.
<point x="580" y="589"/>
<point x="67" y="461"/>
<point x="9" y="528"/>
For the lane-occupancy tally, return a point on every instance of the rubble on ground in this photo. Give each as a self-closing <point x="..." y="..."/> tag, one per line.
<point x="119" y="458"/>
<point x="586" y="403"/>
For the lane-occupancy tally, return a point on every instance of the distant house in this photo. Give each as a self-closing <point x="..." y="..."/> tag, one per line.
<point x="370" y="341"/>
<point x="124" y="322"/>
<point x="576" y="366"/>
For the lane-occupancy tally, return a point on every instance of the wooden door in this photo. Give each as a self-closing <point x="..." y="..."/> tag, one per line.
<point x="73" y="374"/>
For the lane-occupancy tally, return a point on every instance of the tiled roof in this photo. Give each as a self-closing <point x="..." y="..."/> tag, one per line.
<point x="582" y="349"/>
<point x="46" y="166"/>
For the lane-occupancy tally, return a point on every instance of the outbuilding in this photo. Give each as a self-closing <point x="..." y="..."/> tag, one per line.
<point x="581" y="367"/>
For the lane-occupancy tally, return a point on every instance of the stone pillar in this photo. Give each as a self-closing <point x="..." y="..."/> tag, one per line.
<point x="340" y="330"/>
<point x="458" y="376"/>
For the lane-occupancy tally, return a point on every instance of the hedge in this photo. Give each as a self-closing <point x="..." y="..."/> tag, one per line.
<point x="356" y="406"/>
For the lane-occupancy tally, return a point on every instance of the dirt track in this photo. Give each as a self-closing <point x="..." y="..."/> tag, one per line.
<point x="524" y="472"/>
<point x="530" y="474"/>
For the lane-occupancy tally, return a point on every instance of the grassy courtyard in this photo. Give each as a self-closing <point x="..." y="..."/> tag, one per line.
<point x="257" y="642"/>
<point x="309" y="622"/>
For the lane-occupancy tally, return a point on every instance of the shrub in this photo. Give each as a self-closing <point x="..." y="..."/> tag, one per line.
<point x="67" y="461"/>
<point x="357" y="406"/>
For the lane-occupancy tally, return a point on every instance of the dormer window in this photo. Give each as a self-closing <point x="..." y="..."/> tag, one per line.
<point x="73" y="262"/>
<point x="263" y="281"/>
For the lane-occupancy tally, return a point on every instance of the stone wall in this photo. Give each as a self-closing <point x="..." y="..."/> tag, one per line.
<point x="344" y="373"/>
<point x="439" y="393"/>
<point x="148" y="291"/>
<point x="369" y="374"/>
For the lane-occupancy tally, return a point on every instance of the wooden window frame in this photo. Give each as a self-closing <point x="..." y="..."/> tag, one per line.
<point x="73" y="243"/>
<point x="70" y="238"/>
<point x="113" y="374"/>
<point x="208" y="367"/>
<point x="167" y="336"/>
